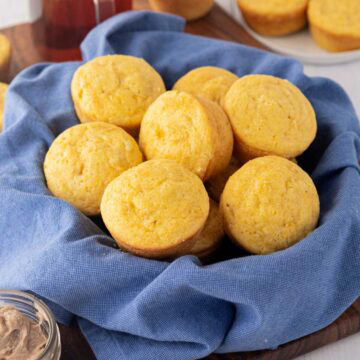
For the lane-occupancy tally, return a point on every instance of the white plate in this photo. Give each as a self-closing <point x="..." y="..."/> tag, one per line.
<point x="299" y="45"/>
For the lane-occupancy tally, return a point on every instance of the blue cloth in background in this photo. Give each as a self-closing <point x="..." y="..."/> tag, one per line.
<point x="133" y="308"/>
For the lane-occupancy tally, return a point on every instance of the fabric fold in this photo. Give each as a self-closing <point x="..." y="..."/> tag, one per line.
<point x="347" y="144"/>
<point x="141" y="21"/>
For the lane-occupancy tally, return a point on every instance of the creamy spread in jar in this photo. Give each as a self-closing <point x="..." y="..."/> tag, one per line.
<point x="20" y="337"/>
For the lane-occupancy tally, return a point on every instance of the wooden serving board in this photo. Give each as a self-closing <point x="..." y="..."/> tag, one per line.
<point x="216" y="25"/>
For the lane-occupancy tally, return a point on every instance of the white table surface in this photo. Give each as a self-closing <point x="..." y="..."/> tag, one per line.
<point x="348" y="75"/>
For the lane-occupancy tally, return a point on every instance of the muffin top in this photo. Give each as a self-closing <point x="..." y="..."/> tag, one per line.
<point x="273" y="7"/>
<point x="269" y="204"/>
<point x="3" y="89"/>
<point x="190" y="130"/>
<point x="208" y="81"/>
<point x="271" y="115"/>
<point x="84" y="159"/>
<point x="116" y="89"/>
<point x="337" y="17"/>
<point x="155" y="206"/>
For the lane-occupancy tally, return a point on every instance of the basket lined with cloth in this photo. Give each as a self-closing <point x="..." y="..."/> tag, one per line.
<point x="134" y="308"/>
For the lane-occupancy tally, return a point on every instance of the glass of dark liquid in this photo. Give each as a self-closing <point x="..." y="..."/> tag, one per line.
<point x="65" y="23"/>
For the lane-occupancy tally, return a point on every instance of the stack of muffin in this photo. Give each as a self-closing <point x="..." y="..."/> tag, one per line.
<point x="219" y="154"/>
<point x="334" y="24"/>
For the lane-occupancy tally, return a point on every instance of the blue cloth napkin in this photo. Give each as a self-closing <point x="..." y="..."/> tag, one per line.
<point x="133" y="308"/>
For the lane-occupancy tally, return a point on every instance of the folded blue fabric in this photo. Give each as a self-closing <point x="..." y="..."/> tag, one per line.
<point x="133" y="308"/>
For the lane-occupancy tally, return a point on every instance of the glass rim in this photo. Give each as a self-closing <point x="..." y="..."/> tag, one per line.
<point x="21" y="296"/>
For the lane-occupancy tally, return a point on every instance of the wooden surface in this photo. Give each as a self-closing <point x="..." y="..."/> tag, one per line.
<point x="218" y="25"/>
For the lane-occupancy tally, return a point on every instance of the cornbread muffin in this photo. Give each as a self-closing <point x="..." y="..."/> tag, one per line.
<point x="209" y="239"/>
<point x="215" y="186"/>
<point x="274" y="17"/>
<point x="191" y="130"/>
<point x="189" y="9"/>
<point x="3" y="90"/>
<point x="335" y="24"/>
<point x="155" y="209"/>
<point x="209" y="82"/>
<point x="269" y="116"/>
<point x="5" y="55"/>
<point x="84" y="159"/>
<point x="116" y="89"/>
<point x="269" y="204"/>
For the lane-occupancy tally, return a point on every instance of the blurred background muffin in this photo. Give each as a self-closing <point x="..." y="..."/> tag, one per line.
<point x="189" y="9"/>
<point x="334" y="24"/>
<point x="274" y="17"/>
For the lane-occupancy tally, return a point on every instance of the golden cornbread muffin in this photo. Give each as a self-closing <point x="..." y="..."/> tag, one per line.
<point x="215" y="186"/>
<point x="269" y="116"/>
<point x="209" y="239"/>
<point x="84" y="159"/>
<point x="189" y="9"/>
<point x="269" y="204"/>
<point x="155" y="209"/>
<point x="116" y="89"/>
<point x="335" y="24"/>
<point x="209" y="82"/>
<point x="3" y="90"/>
<point x="191" y="130"/>
<point x="274" y="17"/>
<point x="5" y="55"/>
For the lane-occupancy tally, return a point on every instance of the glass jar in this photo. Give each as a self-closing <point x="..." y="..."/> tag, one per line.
<point x="36" y="310"/>
<point x="63" y="25"/>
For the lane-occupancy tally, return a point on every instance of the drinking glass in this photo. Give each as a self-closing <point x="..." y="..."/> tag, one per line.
<point x="65" y="23"/>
